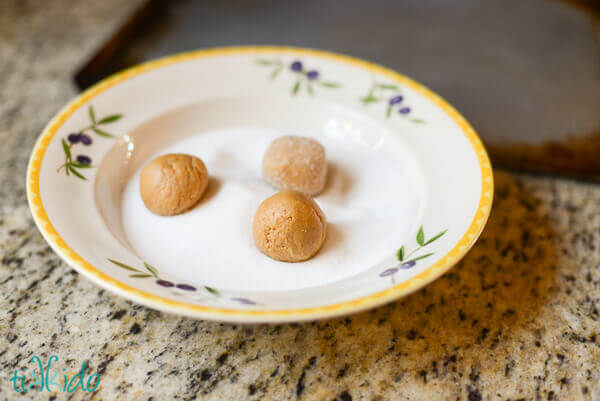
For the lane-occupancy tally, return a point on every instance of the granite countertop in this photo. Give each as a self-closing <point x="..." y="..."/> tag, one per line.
<point x="518" y="318"/>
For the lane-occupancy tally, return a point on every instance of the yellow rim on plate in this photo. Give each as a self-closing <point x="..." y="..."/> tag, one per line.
<point x="169" y="305"/>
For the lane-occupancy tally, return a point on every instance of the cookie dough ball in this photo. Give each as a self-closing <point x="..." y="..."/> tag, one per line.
<point x="296" y="163"/>
<point x="289" y="226"/>
<point x="173" y="183"/>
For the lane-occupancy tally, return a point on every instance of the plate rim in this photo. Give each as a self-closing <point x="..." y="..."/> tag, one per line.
<point x="154" y="301"/>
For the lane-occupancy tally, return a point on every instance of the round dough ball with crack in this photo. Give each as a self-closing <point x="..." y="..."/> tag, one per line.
<point x="289" y="226"/>
<point x="173" y="183"/>
<point x="296" y="163"/>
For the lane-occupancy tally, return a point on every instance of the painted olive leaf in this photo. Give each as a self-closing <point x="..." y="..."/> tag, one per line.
<point x="151" y="269"/>
<point x="102" y="132"/>
<point x="79" y="165"/>
<point x="66" y="148"/>
<point x="211" y="290"/>
<point x="420" y="257"/>
<point x="388" y="86"/>
<point x="92" y="114"/>
<point x="124" y="266"/>
<point x="275" y="72"/>
<point x="110" y="119"/>
<point x="435" y="237"/>
<point x="140" y="275"/>
<point x="388" y="112"/>
<point x="265" y="62"/>
<point x="421" y="237"/>
<point x="369" y="99"/>
<point x="329" y="84"/>
<point x="75" y="172"/>
<point x="400" y="253"/>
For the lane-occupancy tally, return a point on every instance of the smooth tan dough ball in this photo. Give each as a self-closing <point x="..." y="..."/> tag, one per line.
<point x="289" y="226"/>
<point x="296" y="163"/>
<point x="173" y="183"/>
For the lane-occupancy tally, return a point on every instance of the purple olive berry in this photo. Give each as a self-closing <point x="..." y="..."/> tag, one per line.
<point x="85" y="139"/>
<point x="296" y="66"/>
<point x="165" y="283"/>
<point x="245" y="301"/>
<point x="186" y="287"/>
<point x="74" y="138"/>
<point x="388" y="272"/>
<point x="396" y="99"/>
<point x="405" y="110"/>
<point x="312" y="74"/>
<point x="408" y="265"/>
<point x="83" y="159"/>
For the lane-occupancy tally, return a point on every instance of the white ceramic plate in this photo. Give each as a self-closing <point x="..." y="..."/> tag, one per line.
<point x="409" y="189"/>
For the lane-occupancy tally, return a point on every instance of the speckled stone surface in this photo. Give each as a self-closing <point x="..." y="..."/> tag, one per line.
<point x="516" y="319"/>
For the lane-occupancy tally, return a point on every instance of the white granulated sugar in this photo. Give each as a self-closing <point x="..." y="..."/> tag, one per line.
<point x="369" y="203"/>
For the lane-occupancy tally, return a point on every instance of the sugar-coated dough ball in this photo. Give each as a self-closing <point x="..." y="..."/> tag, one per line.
<point x="296" y="163"/>
<point x="173" y="183"/>
<point x="289" y="226"/>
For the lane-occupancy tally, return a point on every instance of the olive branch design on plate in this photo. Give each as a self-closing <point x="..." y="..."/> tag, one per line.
<point x="307" y="78"/>
<point x="81" y="161"/>
<point x="152" y="272"/>
<point x="408" y="261"/>
<point x="391" y="94"/>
